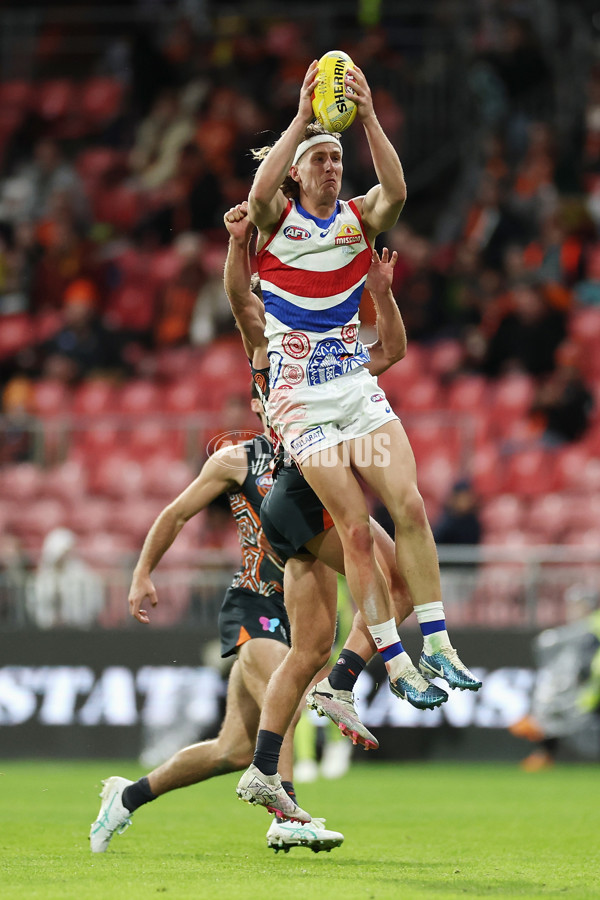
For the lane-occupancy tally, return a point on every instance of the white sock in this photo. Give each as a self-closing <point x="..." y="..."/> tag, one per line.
<point x="432" y="620"/>
<point x="389" y="645"/>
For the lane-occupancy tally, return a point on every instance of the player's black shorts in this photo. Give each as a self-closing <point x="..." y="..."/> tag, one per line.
<point x="291" y="513"/>
<point x="245" y="615"/>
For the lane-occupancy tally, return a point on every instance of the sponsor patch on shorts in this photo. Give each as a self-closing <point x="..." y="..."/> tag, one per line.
<point x="377" y="398"/>
<point x="307" y="439"/>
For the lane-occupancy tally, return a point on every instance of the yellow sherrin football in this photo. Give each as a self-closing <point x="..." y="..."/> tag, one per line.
<point x="331" y="107"/>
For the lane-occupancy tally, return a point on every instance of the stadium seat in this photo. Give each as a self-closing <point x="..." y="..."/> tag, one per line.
<point x="17" y="332"/>
<point x="548" y="517"/>
<point x="94" y="397"/>
<point x="182" y="397"/>
<point x="436" y="475"/>
<point x="17" y="94"/>
<point x="95" y="163"/>
<point x="117" y="476"/>
<point x="511" y="398"/>
<point x="55" y="98"/>
<point x="121" y="206"/>
<point x="38" y="517"/>
<point x="132" y="307"/>
<point x="20" y="482"/>
<point x="445" y="358"/>
<point x="95" y="442"/>
<point x="468" y="393"/>
<point x="531" y="472"/>
<point x="139" y="397"/>
<point x="423" y="394"/>
<point x="94" y="515"/>
<point x="487" y="470"/>
<point x="51" y="398"/>
<point x="135" y="517"/>
<point x="100" y="100"/>
<point x="165" y="477"/>
<point x="66" y="481"/>
<point x="152" y="437"/>
<point x="502" y="513"/>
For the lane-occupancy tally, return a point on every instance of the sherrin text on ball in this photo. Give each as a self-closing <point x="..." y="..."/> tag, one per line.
<point x="332" y="108"/>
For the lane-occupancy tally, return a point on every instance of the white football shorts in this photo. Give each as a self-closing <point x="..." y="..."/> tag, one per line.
<point x="311" y="418"/>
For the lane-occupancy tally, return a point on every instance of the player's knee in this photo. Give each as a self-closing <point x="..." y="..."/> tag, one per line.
<point x="360" y="537"/>
<point x="408" y="512"/>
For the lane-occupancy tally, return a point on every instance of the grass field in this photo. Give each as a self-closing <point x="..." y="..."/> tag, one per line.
<point x="412" y="831"/>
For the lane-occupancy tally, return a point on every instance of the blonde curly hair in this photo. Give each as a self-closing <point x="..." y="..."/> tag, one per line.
<point x="291" y="188"/>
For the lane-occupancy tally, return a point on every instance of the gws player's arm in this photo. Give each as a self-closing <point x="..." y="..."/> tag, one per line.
<point x="248" y="310"/>
<point x="223" y="471"/>
<point x="390" y="345"/>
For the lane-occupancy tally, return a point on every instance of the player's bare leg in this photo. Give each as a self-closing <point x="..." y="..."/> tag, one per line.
<point x="395" y="483"/>
<point x="310" y="589"/>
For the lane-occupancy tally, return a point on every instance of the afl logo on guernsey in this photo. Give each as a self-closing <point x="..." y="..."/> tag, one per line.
<point x="295" y="233"/>
<point x="292" y="374"/>
<point x="349" y="334"/>
<point x="264" y="483"/>
<point x="348" y="234"/>
<point x="296" y="344"/>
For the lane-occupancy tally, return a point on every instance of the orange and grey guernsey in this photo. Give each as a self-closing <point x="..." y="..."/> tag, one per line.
<point x="261" y="571"/>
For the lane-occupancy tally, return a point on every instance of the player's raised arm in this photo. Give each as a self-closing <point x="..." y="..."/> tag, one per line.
<point x="390" y="345"/>
<point x="223" y="471"/>
<point x="266" y="201"/>
<point x="246" y="307"/>
<point x="382" y="205"/>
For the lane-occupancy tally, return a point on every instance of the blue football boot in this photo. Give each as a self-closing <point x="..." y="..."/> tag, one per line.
<point x="419" y="692"/>
<point x="445" y="663"/>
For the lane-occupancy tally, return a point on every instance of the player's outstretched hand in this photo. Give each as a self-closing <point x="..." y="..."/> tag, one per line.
<point x="140" y="592"/>
<point x="237" y="222"/>
<point x="305" y="107"/>
<point x="381" y="272"/>
<point x="357" y="89"/>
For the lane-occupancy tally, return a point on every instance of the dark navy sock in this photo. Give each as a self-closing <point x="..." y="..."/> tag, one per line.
<point x="348" y="667"/>
<point x="289" y="789"/>
<point x="136" y="794"/>
<point x="266" y="755"/>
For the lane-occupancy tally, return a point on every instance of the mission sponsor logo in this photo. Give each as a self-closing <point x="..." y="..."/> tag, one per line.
<point x="296" y="233"/>
<point x="348" y="234"/>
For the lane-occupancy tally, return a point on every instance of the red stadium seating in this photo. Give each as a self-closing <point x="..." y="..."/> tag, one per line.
<point x="100" y="100"/>
<point x="94" y="397"/>
<point x="17" y="332"/>
<point x="139" y="397"/>
<point x="531" y="472"/>
<point x="55" y="98"/>
<point x="502" y="513"/>
<point x="51" y="398"/>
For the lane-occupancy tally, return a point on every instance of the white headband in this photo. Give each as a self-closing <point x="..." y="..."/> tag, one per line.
<point x="312" y="142"/>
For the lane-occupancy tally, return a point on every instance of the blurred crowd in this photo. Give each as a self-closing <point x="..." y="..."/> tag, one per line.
<point x="114" y="181"/>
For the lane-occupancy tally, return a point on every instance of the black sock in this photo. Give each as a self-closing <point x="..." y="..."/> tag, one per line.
<point x="348" y="667"/>
<point x="266" y="755"/>
<point x="136" y="794"/>
<point x="289" y="789"/>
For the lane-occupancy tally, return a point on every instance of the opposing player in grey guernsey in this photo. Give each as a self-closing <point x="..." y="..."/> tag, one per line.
<point x="295" y="520"/>
<point x="253" y="625"/>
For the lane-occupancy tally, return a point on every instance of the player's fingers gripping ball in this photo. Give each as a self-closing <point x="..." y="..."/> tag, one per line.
<point x="332" y="108"/>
